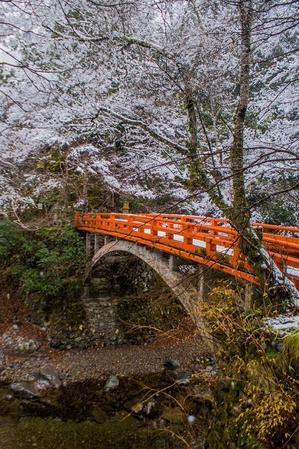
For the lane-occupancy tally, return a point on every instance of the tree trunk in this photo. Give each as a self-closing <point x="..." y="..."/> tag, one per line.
<point x="270" y="276"/>
<point x="241" y="215"/>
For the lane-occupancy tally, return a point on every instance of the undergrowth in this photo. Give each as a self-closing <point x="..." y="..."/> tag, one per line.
<point x="45" y="268"/>
<point x="255" y="390"/>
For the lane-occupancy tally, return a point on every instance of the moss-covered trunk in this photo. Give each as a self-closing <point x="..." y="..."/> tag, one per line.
<point x="270" y="276"/>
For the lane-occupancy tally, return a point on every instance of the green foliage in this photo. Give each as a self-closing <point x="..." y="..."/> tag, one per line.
<point x="291" y="345"/>
<point x="11" y="241"/>
<point x="52" y="260"/>
<point x="253" y="122"/>
<point x="53" y="162"/>
<point x="47" y="263"/>
<point x="47" y="268"/>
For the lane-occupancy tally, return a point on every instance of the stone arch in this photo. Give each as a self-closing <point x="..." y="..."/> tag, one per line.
<point x="181" y="287"/>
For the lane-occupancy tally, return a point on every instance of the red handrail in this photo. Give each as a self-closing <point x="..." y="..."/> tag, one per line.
<point x="206" y="240"/>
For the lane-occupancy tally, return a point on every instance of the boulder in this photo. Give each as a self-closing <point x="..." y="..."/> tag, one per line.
<point x="182" y="379"/>
<point x="42" y="384"/>
<point x="50" y="374"/>
<point x="111" y="384"/>
<point x="24" y="390"/>
<point x="171" y="364"/>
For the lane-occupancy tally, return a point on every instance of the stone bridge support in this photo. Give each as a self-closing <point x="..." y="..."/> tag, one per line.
<point x="188" y="289"/>
<point x="180" y="285"/>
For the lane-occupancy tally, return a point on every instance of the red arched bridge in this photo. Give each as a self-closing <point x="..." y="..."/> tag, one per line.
<point x="204" y="240"/>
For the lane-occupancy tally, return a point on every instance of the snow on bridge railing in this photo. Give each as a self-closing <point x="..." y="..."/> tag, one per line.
<point x="206" y="240"/>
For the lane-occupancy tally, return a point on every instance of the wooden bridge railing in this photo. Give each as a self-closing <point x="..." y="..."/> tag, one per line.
<point x="205" y="240"/>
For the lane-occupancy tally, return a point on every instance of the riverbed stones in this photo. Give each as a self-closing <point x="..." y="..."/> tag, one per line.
<point x="50" y="374"/>
<point x="182" y="379"/>
<point x="24" y="390"/>
<point x="111" y="384"/>
<point x="2" y="361"/>
<point x="11" y="342"/>
<point x="171" y="364"/>
<point x="146" y="409"/>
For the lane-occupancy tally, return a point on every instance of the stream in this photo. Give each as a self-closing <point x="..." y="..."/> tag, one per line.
<point x="154" y="411"/>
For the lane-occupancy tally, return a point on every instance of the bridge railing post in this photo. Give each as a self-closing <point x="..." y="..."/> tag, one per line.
<point x="154" y="230"/>
<point x="129" y="224"/>
<point x="200" y="284"/>
<point x="186" y="229"/>
<point x="171" y="262"/>
<point x="96" y="243"/>
<point x="88" y="244"/>
<point x="167" y="233"/>
<point x="248" y="296"/>
<point x="210" y="244"/>
<point x="112" y="223"/>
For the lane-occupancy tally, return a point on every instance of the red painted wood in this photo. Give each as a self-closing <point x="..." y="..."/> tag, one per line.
<point x="205" y="240"/>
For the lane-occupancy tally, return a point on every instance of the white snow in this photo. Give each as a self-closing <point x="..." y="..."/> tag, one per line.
<point x="284" y="324"/>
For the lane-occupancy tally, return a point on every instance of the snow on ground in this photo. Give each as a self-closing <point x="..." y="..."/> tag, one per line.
<point x="284" y="325"/>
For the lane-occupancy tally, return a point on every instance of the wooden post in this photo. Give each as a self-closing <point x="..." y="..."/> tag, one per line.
<point x="248" y="296"/>
<point x="88" y="244"/>
<point x="171" y="262"/>
<point x="96" y="243"/>
<point x="200" y="284"/>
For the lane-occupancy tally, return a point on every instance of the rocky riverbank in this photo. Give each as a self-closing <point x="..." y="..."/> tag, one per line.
<point x="24" y="352"/>
<point x="112" y="397"/>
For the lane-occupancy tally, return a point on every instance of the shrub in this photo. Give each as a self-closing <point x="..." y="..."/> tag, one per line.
<point x="47" y="269"/>
<point x="254" y="393"/>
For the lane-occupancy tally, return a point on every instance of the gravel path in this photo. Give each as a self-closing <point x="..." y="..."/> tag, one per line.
<point x="79" y="365"/>
<point x="130" y="360"/>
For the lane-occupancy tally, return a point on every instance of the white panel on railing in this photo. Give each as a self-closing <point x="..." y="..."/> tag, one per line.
<point x="223" y="250"/>
<point x="178" y="238"/>
<point x="293" y="271"/>
<point x="200" y="243"/>
<point x="161" y="233"/>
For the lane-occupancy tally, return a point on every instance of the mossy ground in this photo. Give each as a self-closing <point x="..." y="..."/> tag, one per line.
<point x="117" y="433"/>
<point x="85" y="416"/>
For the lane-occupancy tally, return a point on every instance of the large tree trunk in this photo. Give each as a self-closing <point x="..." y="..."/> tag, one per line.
<point x="270" y="276"/>
<point x="241" y="215"/>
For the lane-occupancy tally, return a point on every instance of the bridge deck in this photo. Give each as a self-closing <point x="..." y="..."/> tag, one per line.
<point x="205" y="240"/>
